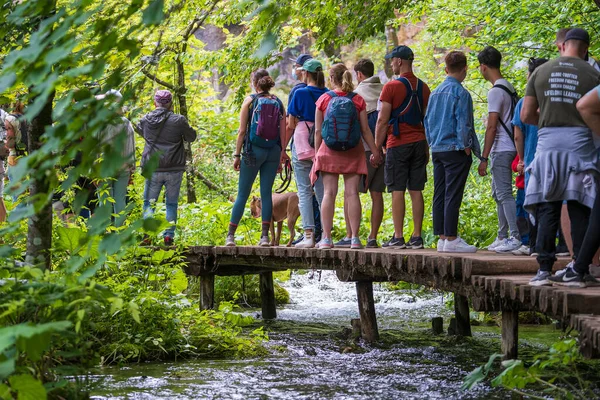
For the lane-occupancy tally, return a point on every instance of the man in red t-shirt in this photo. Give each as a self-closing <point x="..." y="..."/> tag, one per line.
<point x="407" y="151"/>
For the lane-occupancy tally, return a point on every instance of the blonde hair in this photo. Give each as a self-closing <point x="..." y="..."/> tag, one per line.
<point x="15" y="125"/>
<point x="342" y="77"/>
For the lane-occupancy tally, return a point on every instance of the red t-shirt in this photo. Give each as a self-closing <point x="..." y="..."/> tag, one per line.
<point x="358" y="101"/>
<point x="520" y="179"/>
<point x="394" y="93"/>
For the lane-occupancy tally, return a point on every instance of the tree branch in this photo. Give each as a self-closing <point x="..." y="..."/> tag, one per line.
<point x="211" y="185"/>
<point x="159" y="81"/>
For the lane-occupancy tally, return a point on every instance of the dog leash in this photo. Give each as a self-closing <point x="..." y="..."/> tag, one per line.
<point x="286" y="177"/>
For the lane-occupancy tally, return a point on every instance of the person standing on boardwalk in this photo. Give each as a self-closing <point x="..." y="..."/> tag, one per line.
<point x="301" y="110"/>
<point x="369" y="88"/>
<point x="499" y="144"/>
<point x="565" y="167"/>
<point x="579" y="274"/>
<point x="340" y="122"/>
<point x="164" y="133"/>
<point x="400" y="126"/>
<point x="450" y="131"/>
<point x="260" y="135"/>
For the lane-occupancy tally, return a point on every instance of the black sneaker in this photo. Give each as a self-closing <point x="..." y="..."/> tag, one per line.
<point x="295" y="242"/>
<point x="571" y="278"/>
<point x="344" y="243"/>
<point x="372" y="244"/>
<point x="168" y="241"/>
<point x="397" y="243"/>
<point x="415" y="242"/>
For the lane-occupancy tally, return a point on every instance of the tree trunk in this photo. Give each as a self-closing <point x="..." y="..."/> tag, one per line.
<point x="183" y="110"/>
<point x="39" y="232"/>
<point x="391" y="41"/>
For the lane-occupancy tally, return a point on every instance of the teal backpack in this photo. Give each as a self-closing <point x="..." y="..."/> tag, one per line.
<point x="341" y="127"/>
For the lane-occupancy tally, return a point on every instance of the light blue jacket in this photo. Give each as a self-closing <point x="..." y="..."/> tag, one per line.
<point x="449" y="124"/>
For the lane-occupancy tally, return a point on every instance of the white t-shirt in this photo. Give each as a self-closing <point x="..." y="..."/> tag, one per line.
<point x="500" y="102"/>
<point x="3" y="115"/>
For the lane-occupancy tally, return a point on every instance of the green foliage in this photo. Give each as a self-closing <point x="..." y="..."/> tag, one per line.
<point x="555" y="373"/>
<point x="245" y="290"/>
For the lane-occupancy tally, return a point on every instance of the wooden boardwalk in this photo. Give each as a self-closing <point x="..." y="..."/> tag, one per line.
<point x="492" y="282"/>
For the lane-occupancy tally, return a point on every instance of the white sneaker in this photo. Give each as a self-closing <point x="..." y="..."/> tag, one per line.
<point x="440" y="245"/>
<point x="458" y="245"/>
<point x="496" y="243"/>
<point x="521" y="251"/>
<point x="563" y="271"/>
<point x="307" y="243"/>
<point x="510" y="244"/>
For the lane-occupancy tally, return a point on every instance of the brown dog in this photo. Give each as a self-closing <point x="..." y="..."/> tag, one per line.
<point x="285" y="206"/>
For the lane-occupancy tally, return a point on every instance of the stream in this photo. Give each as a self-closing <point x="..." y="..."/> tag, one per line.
<point x="312" y="356"/>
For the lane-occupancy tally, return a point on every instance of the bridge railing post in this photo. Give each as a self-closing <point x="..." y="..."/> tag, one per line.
<point x="510" y="334"/>
<point x="366" y="309"/>
<point x="267" y="295"/>
<point x="463" y="317"/>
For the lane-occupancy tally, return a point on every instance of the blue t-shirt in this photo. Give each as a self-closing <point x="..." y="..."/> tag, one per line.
<point x="303" y="103"/>
<point x="530" y="132"/>
<point x="296" y="87"/>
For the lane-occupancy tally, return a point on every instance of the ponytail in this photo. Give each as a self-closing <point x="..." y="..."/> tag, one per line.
<point x="342" y="78"/>
<point x="347" y="84"/>
<point x="318" y="78"/>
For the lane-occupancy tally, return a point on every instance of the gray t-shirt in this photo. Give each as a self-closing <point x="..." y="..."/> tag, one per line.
<point x="557" y="86"/>
<point x="500" y="102"/>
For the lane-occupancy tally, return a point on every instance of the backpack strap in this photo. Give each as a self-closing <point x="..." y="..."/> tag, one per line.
<point x="407" y="103"/>
<point x="513" y="104"/>
<point x="350" y="95"/>
<point x="332" y="94"/>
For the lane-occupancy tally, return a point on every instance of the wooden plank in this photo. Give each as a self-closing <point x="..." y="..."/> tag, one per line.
<point x="366" y="309"/>
<point x="267" y="296"/>
<point x="207" y="292"/>
<point x="510" y="334"/>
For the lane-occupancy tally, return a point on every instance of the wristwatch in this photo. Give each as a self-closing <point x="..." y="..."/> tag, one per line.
<point x="485" y="159"/>
<point x="237" y="155"/>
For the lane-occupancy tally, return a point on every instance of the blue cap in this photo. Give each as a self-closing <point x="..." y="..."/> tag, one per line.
<point x="578" y="34"/>
<point x="403" y="52"/>
<point x="302" y="58"/>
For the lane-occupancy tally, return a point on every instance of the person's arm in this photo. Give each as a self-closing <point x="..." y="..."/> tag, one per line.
<point x="490" y="136"/>
<point x="318" y="127"/>
<point x="367" y="135"/>
<point x="530" y="113"/>
<point x="289" y="130"/>
<point x="520" y="145"/>
<point x="284" y="139"/>
<point x="589" y="108"/>
<point x="464" y="122"/>
<point x="189" y="133"/>
<point x="383" y="120"/>
<point x="244" y="115"/>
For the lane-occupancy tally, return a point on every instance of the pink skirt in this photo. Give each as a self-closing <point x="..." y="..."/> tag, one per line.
<point x="339" y="162"/>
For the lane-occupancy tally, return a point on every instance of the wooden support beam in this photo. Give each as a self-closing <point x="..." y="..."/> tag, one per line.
<point x="510" y="334"/>
<point x="207" y="292"/>
<point x="463" y="319"/>
<point x="267" y="296"/>
<point x="437" y="325"/>
<point x="366" y="309"/>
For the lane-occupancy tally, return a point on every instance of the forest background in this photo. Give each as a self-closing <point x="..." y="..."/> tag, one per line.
<point x="82" y="293"/>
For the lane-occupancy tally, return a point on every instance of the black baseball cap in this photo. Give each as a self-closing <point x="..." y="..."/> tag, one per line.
<point x="403" y="52"/>
<point x="578" y="34"/>
<point x="302" y="58"/>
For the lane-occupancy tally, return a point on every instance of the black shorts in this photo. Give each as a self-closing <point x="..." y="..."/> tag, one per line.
<point x="374" y="181"/>
<point x="406" y="167"/>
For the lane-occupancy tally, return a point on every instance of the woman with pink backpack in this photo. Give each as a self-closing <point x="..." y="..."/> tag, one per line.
<point x="340" y="122"/>
<point x="260" y="135"/>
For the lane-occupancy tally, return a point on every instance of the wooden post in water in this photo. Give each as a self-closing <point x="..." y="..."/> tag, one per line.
<point x="207" y="292"/>
<point x="463" y="319"/>
<point x="510" y="334"/>
<point x="267" y="295"/>
<point x="366" y="309"/>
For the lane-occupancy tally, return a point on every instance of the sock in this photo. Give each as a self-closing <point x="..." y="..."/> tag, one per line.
<point x="265" y="228"/>
<point x="232" y="228"/>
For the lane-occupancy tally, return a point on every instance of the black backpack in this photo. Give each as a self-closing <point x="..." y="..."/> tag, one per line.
<point x="514" y="99"/>
<point x="23" y="146"/>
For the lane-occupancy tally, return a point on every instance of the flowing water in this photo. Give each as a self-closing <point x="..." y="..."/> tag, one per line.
<point x="311" y="356"/>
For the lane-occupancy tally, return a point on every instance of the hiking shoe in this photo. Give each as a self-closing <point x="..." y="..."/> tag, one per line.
<point x="521" y="251"/>
<point x="356" y="243"/>
<point x="542" y="278"/>
<point x="569" y="278"/>
<point x="563" y="271"/>
<point x="397" y="243"/>
<point x="372" y="244"/>
<point x="230" y="241"/>
<point x="295" y="242"/>
<point x="497" y="242"/>
<point x="306" y="243"/>
<point x="415" y="242"/>
<point x="590" y="280"/>
<point x="440" y="245"/>
<point x="562" y="251"/>
<point x="264" y="241"/>
<point x="344" y="243"/>
<point x="168" y="241"/>
<point x="325" y="243"/>
<point x="458" y="245"/>
<point x="509" y="244"/>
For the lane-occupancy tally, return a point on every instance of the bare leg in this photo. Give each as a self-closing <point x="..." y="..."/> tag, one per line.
<point x="565" y="224"/>
<point x="398" y="208"/>
<point x="348" y="229"/>
<point x="352" y="202"/>
<point x="376" y="213"/>
<point x="418" y="209"/>
<point x="330" y="186"/>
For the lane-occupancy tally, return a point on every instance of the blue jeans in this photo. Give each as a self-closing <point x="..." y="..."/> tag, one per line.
<point x="172" y="183"/>
<point x="266" y="162"/>
<point x="305" y="190"/>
